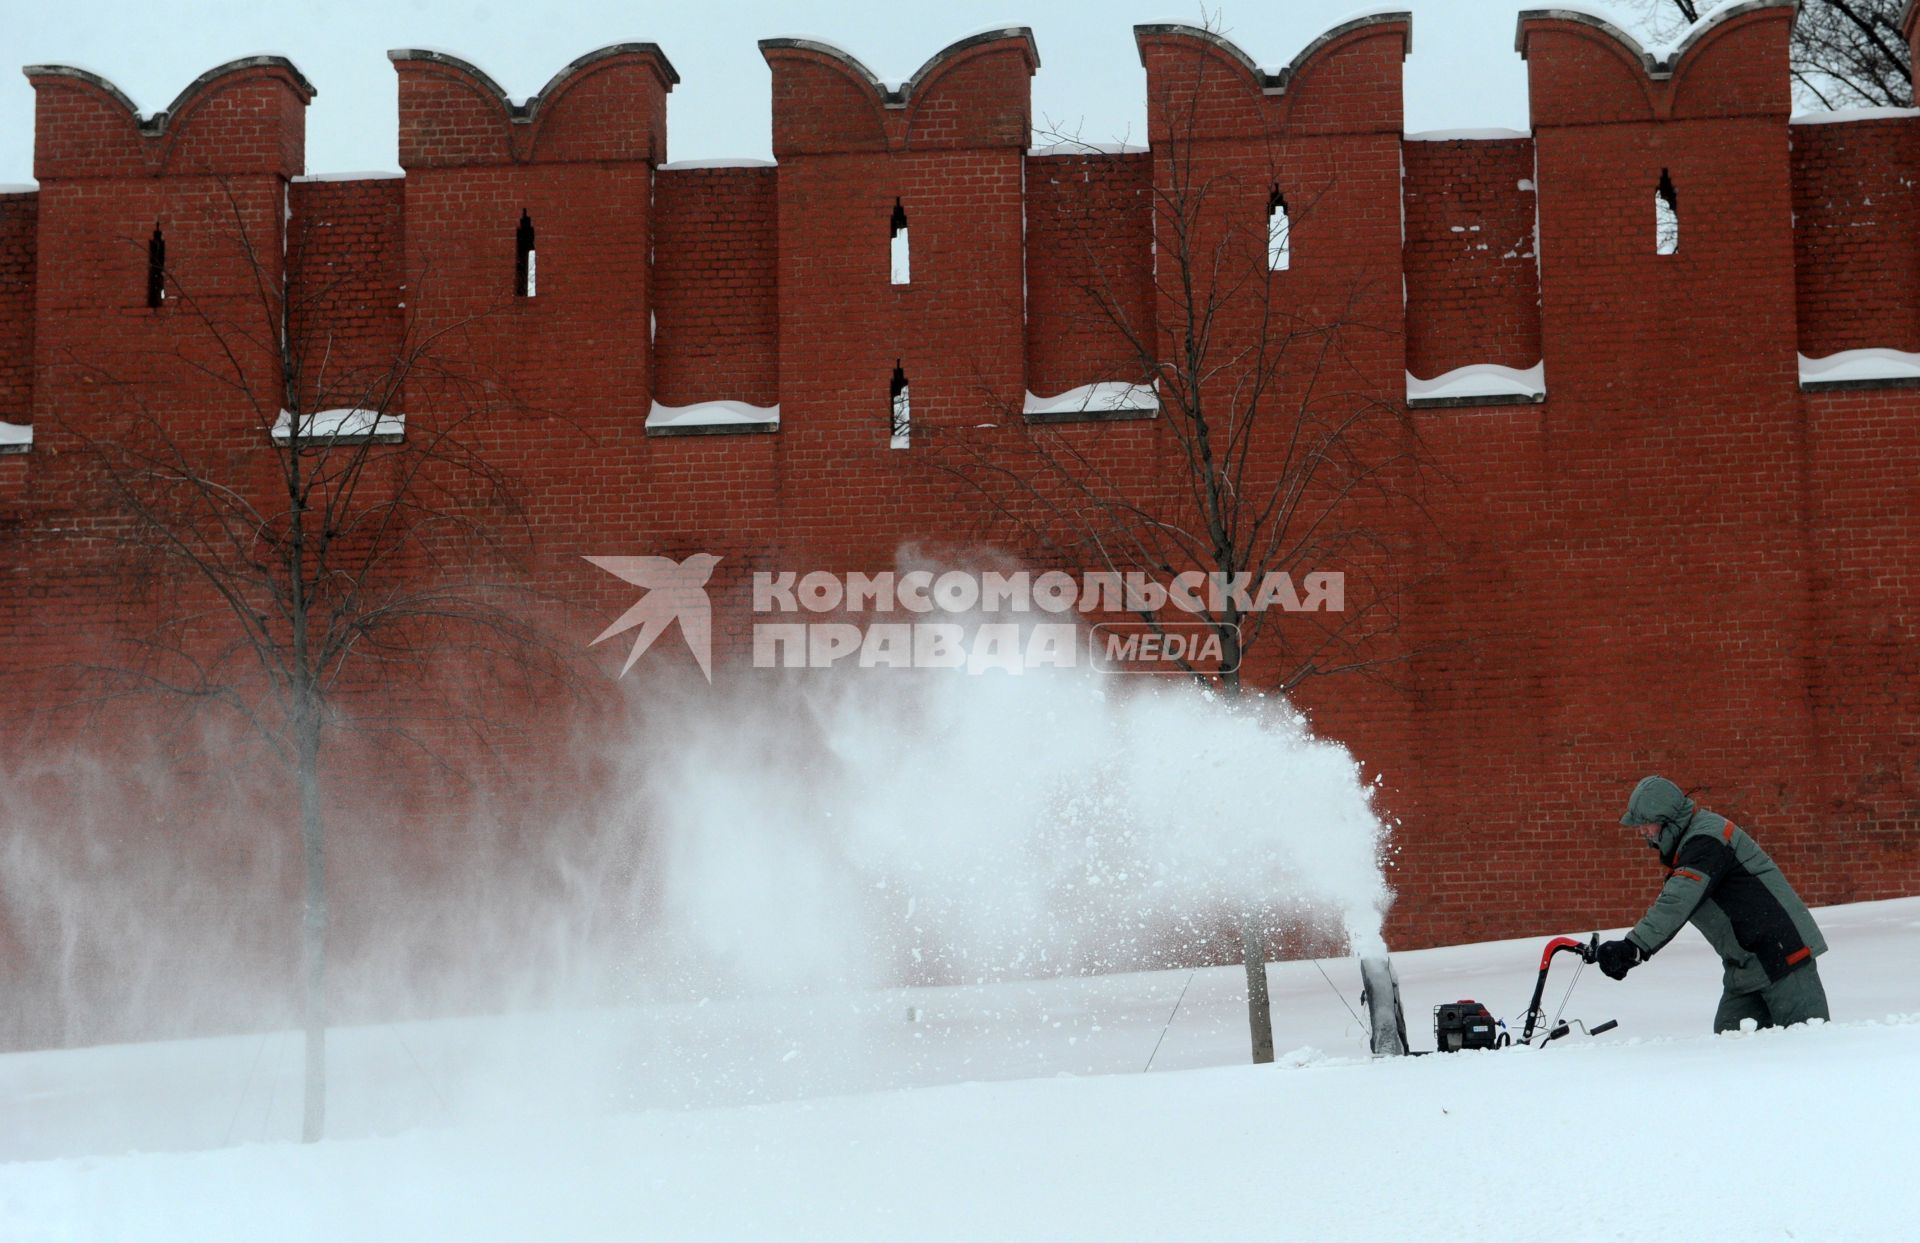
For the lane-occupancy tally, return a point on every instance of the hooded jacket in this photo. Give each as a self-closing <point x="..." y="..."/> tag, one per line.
<point x="1720" y="880"/>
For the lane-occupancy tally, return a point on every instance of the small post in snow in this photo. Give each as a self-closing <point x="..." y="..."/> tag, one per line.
<point x="1259" y="1013"/>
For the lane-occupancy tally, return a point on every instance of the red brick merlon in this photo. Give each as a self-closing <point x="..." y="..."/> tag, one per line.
<point x="971" y="94"/>
<point x="1586" y="71"/>
<point x="246" y="116"/>
<point x="1347" y="81"/>
<point x="610" y="104"/>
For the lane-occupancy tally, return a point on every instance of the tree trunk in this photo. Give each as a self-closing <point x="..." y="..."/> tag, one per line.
<point x="1259" y="1011"/>
<point x="307" y="704"/>
<point x="1231" y="654"/>
<point x="313" y="940"/>
<point x="1253" y="941"/>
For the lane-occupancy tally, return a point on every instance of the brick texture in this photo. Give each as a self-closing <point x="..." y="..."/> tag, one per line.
<point x="715" y="289"/>
<point x="18" y="214"/>
<point x="1856" y="237"/>
<point x="1473" y="287"/>
<point x="1089" y="221"/>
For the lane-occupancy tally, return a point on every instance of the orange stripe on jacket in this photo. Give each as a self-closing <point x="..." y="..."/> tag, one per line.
<point x="1728" y="835"/>
<point x="1799" y="955"/>
<point x="1689" y="873"/>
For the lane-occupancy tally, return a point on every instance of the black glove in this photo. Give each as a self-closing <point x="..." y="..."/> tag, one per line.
<point x="1616" y="958"/>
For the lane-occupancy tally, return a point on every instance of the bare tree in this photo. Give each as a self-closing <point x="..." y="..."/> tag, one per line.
<point x="311" y="580"/>
<point x="1844" y="53"/>
<point x="1284" y="462"/>
<point x="1277" y="455"/>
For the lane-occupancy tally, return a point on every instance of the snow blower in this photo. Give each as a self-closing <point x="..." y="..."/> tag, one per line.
<point x="1468" y="1024"/>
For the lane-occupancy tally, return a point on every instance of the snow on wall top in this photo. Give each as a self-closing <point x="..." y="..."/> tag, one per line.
<point x="1480" y="382"/>
<point x="1107" y="397"/>
<point x="1834" y="115"/>
<point x="1494" y="134"/>
<point x="377" y="174"/>
<point x="723" y="162"/>
<point x="1074" y="146"/>
<point x="345" y="424"/>
<point x="712" y="416"/>
<point x="1850" y="367"/>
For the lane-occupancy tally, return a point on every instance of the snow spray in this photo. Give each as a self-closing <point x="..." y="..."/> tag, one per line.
<point x="795" y="831"/>
<point x="850" y="829"/>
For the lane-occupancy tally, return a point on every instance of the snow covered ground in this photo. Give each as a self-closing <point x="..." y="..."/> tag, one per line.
<point x="1016" y="1111"/>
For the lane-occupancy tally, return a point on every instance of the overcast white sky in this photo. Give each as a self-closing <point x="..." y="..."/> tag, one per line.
<point x="1463" y="72"/>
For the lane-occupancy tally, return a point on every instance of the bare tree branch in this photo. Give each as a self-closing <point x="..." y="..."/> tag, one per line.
<point x="349" y="565"/>
<point x="1843" y="53"/>
<point x="1275" y="455"/>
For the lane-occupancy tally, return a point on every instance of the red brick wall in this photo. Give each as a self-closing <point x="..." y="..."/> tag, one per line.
<point x="715" y="282"/>
<point x="1089" y="268"/>
<point x="347" y="274"/>
<point x="953" y="156"/>
<point x="1659" y="621"/>
<point x="18" y="214"/>
<point x="1473" y="289"/>
<point x="1863" y="685"/>
<point x="1678" y="562"/>
<point x="1856" y="233"/>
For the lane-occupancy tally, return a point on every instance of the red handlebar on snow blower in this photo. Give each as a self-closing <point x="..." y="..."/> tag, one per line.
<point x="1588" y="951"/>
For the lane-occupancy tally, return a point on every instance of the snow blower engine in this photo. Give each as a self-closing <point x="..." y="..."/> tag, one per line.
<point x="1468" y="1024"/>
<point x="1464" y="1025"/>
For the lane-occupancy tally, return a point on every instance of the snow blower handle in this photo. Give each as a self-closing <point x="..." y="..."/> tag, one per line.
<point x="1592" y="954"/>
<point x="1587" y="952"/>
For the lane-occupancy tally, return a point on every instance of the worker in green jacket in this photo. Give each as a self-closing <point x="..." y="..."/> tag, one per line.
<point x="1720" y="880"/>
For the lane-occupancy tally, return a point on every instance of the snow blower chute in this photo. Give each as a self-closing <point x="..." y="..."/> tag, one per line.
<point x="1468" y="1024"/>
